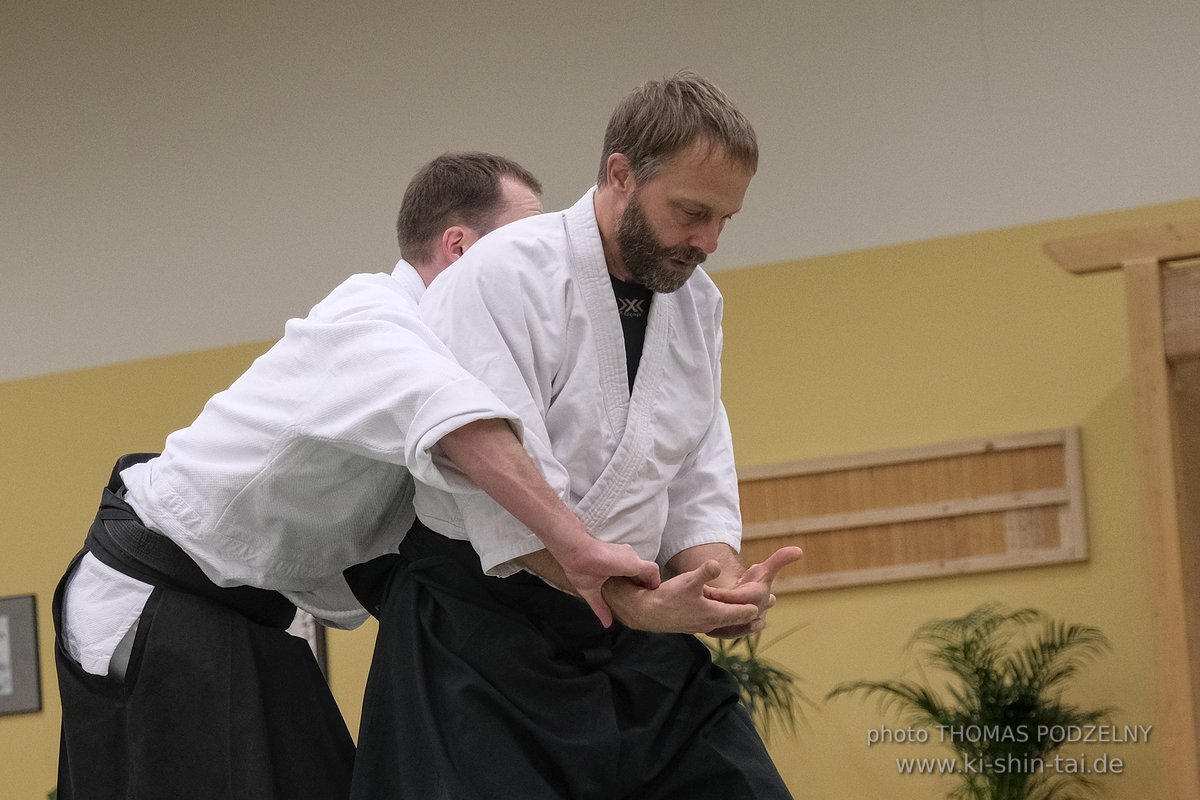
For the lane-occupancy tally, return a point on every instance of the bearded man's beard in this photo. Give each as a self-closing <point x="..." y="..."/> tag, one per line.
<point x="651" y="263"/>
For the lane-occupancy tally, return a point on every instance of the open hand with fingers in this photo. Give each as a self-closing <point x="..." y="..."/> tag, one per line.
<point x="753" y="588"/>
<point x="679" y="604"/>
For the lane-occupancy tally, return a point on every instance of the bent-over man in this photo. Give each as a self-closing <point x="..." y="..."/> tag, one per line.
<point x="176" y="675"/>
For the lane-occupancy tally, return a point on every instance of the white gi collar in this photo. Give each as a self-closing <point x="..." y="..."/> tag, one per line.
<point x="406" y="274"/>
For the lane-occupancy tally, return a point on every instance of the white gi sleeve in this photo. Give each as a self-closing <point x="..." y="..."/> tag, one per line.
<point x="388" y="372"/>
<point x="497" y="322"/>
<point x="703" y="504"/>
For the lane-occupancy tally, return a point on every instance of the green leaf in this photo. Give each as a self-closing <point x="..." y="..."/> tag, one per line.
<point x="1006" y="672"/>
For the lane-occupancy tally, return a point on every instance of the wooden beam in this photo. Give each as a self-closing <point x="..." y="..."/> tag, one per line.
<point x="906" y="455"/>
<point x="1111" y="250"/>
<point x="1171" y="607"/>
<point x="946" y="509"/>
<point x="908" y="572"/>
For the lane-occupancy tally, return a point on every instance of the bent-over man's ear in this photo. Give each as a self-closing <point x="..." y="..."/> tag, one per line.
<point x="454" y="242"/>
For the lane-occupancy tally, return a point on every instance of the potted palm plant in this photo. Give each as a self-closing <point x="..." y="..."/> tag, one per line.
<point x="1003" y="710"/>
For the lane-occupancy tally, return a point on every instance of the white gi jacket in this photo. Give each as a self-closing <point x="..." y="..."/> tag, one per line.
<point x="530" y="310"/>
<point x="301" y="468"/>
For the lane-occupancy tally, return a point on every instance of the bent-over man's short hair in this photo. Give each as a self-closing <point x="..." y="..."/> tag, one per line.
<point x="454" y="189"/>
<point x="660" y="118"/>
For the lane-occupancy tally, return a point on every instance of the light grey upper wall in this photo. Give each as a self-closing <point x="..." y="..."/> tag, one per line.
<point x="186" y="175"/>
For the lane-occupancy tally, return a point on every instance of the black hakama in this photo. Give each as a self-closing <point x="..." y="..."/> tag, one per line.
<point x="219" y="701"/>
<point x="484" y="688"/>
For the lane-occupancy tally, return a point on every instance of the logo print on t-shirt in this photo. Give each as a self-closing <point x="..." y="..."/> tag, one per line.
<point x="631" y="307"/>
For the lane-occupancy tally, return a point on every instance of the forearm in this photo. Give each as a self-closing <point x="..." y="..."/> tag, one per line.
<point x="489" y="454"/>
<point x="542" y="564"/>
<point x="635" y="606"/>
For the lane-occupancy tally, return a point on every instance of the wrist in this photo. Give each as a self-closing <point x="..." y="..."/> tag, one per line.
<point x="619" y="593"/>
<point x="543" y="564"/>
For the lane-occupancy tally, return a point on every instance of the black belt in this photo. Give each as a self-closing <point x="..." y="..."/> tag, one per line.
<point x="119" y="539"/>
<point x="452" y="566"/>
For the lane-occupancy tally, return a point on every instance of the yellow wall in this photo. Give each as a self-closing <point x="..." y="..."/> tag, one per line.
<point x="933" y="341"/>
<point x="938" y="341"/>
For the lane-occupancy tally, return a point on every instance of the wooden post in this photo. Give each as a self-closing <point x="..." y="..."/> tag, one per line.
<point x="1166" y="450"/>
<point x="1171" y="605"/>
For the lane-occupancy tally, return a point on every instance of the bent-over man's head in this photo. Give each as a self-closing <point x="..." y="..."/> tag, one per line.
<point x="678" y="157"/>
<point x="457" y="198"/>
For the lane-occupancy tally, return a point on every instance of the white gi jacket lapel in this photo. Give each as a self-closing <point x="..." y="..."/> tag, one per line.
<point x="631" y="417"/>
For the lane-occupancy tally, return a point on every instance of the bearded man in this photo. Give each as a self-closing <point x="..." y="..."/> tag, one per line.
<point x="596" y="328"/>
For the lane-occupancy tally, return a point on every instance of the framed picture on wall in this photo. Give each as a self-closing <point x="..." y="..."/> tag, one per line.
<point x="307" y="628"/>
<point x="20" y="673"/>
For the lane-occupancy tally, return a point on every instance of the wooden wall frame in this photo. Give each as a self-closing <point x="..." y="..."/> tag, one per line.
<point x="920" y="512"/>
<point x="1163" y="314"/>
<point x="20" y="667"/>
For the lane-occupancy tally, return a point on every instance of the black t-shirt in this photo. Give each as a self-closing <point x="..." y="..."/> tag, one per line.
<point x="633" y="304"/>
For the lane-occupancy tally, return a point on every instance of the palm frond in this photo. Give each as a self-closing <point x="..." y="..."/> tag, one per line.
<point x="1003" y="678"/>
<point x="913" y="700"/>
<point x="769" y="691"/>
